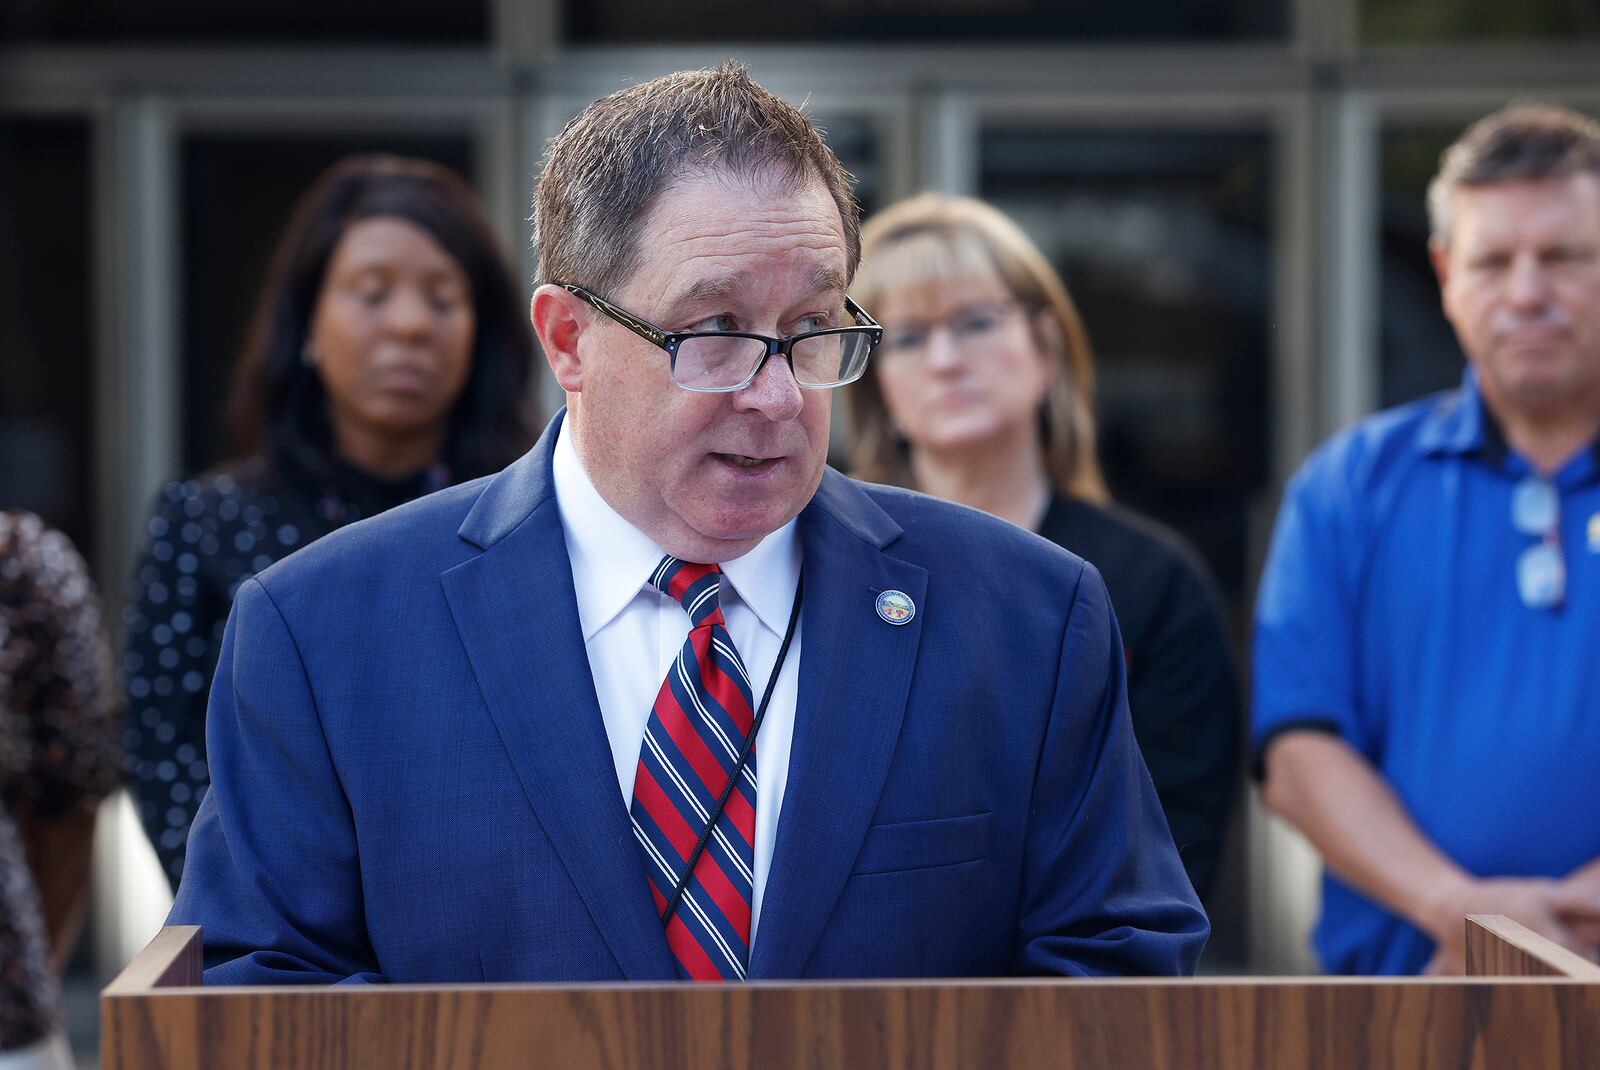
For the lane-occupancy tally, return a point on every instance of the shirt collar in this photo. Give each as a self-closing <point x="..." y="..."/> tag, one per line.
<point x="612" y="560"/>
<point x="766" y="577"/>
<point x="1461" y="425"/>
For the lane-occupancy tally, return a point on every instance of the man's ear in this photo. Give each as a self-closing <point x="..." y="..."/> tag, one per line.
<point x="559" y="319"/>
<point x="1439" y="257"/>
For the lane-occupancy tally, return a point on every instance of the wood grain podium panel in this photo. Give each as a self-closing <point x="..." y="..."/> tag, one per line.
<point x="1202" y="1024"/>
<point x="1499" y="947"/>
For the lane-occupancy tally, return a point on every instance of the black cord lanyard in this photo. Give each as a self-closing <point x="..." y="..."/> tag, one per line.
<point x="744" y="758"/>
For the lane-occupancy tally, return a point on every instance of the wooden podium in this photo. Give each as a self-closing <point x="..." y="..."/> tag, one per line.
<point x="1526" y="1002"/>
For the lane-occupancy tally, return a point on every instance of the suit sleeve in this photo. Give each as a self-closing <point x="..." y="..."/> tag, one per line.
<point x="1103" y="890"/>
<point x="273" y="872"/>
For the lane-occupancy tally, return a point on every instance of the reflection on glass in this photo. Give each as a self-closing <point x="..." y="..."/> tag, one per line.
<point x="855" y="141"/>
<point x="237" y="192"/>
<point x="1422" y="21"/>
<point x="206" y="22"/>
<point x="1165" y="240"/>
<point x="46" y="325"/>
<point x="1031" y="21"/>
<point x="1419" y="352"/>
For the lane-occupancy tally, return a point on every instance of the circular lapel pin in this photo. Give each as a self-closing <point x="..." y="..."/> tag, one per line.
<point x="896" y="607"/>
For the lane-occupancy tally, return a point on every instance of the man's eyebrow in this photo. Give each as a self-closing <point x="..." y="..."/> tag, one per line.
<point x="708" y="289"/>
<point x="828" y="279"/>
<point x="823" y="280"/>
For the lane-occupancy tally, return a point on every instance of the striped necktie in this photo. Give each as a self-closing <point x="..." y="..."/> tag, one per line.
<point x="697" y="729"/>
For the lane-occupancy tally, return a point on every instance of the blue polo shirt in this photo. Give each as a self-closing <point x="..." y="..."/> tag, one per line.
<point x="1389" y="614"/>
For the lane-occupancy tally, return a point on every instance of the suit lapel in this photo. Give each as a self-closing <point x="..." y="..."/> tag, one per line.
<point x="516" y="611"/>
<point x="855" y="676"/>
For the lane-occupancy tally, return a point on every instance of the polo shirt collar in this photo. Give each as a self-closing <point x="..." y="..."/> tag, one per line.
<point x="612" y="560"/>
<point x="1460" y="425"/>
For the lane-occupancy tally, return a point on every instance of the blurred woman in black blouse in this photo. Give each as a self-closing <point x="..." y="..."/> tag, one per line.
<point x="390" y="356"/>
<point x="981" y="392"/>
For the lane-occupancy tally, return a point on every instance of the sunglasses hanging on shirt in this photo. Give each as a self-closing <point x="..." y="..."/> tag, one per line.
<point x="1541" y="571"/>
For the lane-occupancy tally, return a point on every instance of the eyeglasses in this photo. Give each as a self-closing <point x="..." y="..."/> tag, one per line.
<point x="969" y="326"/>
<point x="718" y="362"/>
<point x="1541" y="571"/>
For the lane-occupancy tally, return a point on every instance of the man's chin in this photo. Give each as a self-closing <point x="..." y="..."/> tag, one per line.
<point x="728" y="518"/>
<point x="706" y="549"/>
<point x="750" y="528"/>
<point x="1535" y="381"/>
<point x="1543" y="390"/>
<point x="725" y="535"/>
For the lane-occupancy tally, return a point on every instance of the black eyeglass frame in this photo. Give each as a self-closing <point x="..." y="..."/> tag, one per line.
<point x="671" y="340"/>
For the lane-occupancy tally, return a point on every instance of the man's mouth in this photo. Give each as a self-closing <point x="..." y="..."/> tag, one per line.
<point x="1535" y="338"/>
<point x="740" y="460"/>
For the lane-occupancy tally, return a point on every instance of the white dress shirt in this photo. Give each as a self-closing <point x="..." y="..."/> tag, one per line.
<point x="633" y="632"/>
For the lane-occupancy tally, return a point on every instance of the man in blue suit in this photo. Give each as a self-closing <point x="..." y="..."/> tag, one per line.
<point x="667" y="698"/>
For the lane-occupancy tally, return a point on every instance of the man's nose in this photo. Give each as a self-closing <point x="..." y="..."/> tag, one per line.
<point x="774" y="392"/>
<point x="1529" y="286"/>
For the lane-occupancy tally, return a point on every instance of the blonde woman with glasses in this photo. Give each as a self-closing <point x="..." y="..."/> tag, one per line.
<point x="981" y="393"/>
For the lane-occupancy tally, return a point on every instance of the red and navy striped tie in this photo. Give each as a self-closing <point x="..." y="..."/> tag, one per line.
<point x="698" y="726"/>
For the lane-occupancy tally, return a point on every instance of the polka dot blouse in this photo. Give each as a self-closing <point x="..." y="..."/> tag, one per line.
<point x="204" y="538"/>
<point x="58" y="743"/>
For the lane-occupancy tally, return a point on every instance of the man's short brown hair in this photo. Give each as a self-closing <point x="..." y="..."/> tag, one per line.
<point x="604" y="171"/>
<point x="1517" y="143"/>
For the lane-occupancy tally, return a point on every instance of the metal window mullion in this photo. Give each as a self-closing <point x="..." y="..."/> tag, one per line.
<point x="496" y="156"/>
<point x="1455" y="108"/>
<point x="948" y="133"/>
<point x="138" y="433"/>
<point x="543" y="116"/>
<point x="900" y="137"/>
<point x="137" y="407"/>
<point x="293" y="114"/>
<point x="1534" y="69"/>
<point x="1325" y="31"/>
<point x="525" y="32"/>
<point x="1282" y="870"/>
<point x="1296" y="306"/>
<point x="1350" y="291"/>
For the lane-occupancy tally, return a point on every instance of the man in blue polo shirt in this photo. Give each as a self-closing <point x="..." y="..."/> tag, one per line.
<point x="1427" y="646"/>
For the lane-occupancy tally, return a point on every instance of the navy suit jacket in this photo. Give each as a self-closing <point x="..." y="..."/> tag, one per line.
<point x="411" y="780"/>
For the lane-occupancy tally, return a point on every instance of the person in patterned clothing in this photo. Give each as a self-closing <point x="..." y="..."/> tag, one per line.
<point x="58" y="758"/>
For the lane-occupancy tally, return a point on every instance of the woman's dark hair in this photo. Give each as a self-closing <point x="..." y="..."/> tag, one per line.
<point x="278" y="406"/>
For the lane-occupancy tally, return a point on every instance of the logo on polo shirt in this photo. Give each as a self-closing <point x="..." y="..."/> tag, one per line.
<point x="1594" y="534"/>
